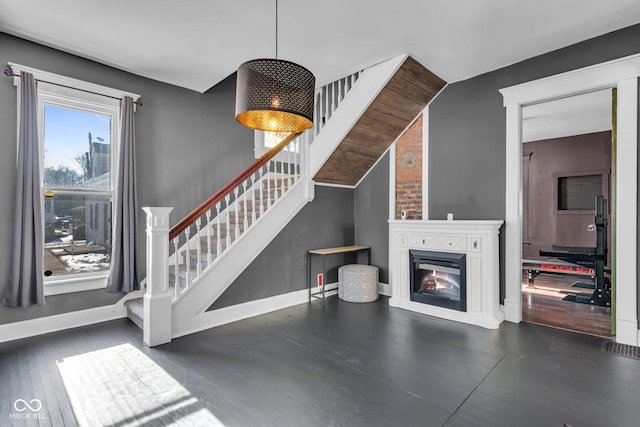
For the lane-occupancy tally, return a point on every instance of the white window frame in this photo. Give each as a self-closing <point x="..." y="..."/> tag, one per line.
<point x="69" y="98"/>
<point x="259" y="144"/>
<point x="72" y="93"/>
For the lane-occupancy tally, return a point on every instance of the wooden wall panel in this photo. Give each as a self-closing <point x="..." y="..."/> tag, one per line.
<point x="400" y="101"/>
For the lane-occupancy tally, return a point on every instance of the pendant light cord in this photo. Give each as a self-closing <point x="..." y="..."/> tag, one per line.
<point x="276" y="29"/>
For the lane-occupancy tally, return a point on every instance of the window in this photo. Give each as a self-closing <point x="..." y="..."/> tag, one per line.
<point x="78" y="135"/>
<point x="578" y="193"/>
<point x="264" y="141"/>
<point x="79" y="144"/>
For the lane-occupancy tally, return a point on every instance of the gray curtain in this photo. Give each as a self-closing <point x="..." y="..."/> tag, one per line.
<point x="123" y="274"/>
<point x="26" y="272"/>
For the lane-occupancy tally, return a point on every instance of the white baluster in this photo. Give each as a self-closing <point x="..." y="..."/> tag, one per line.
<point x="227" y="199"/>
<point x="303" y="142"/>
<point x="246" y="207"/>
<point x="218" y="238"/>
<point x="235" y="202"/>
<point x="294" y="154"/>
<point x="329" y="111"/>
<point x="334" y="98"/>
<point x="287" y="156"/>
<point x="208" y="237"/>
<point x="261" y="185"/>
<point x="176" y="271"/>
<point x="283" y="177"/>
<point x="308" y="136"/>
<point x="276" y="195"/>
<point x="325" y="104"/>
<point x="198" y="250"/>
<point x="268" y="186"/>
<point x="304" y="167"/>
<point x="253" y="198"/>
<point x="187" y="260"/>
<point x="316" y="125"/>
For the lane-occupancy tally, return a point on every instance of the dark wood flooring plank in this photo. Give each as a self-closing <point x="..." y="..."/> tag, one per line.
<point x="439" y="366"/>
<point x="36" y="385"/>
<point x="308" y="388"/>
<point x="543" y="305"/>
<point x="545" y="389"/>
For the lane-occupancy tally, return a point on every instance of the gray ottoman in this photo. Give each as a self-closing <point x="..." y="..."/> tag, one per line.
<point x="358" y="283"/>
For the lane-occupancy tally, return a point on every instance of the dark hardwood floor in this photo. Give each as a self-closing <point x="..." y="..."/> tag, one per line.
<point x="543" y="305"/>
<point x="342" y="365"/>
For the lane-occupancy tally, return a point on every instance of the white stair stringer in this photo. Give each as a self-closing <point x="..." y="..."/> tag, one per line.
<point x="363" y="93"/>
<point x="189" y="313"/>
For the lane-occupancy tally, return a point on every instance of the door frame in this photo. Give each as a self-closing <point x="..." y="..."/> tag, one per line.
<point x="622" y="74"/>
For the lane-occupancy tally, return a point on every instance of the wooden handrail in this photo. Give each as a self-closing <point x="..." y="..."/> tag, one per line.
<point x="228" y="188"/>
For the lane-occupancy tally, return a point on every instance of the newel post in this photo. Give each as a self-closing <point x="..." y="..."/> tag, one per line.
<point x="157" y="299"/>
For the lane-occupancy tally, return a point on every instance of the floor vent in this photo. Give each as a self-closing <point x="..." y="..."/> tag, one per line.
<point x="621" y="349"/>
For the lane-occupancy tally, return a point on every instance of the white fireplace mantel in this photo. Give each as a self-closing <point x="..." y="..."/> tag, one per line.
<point x="478" y="240"/>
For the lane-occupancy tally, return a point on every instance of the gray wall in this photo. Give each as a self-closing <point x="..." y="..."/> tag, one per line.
<point x="188" y="146"/>
<point x="328" y="221"/>
<point x="336" y="217"/>
<point x="372" y="215"/>
<point x="467" y="128"/>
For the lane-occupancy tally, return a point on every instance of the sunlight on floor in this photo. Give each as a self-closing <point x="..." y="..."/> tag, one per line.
<point x="121" y="386"/>
<point x="544" y="291"/>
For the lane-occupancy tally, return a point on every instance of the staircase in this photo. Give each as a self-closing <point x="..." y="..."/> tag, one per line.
<point x="205" y="256"/>
<point x="219" y="239"/>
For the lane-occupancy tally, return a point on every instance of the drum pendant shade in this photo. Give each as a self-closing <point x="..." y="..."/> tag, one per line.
<point x="275" y="95"/>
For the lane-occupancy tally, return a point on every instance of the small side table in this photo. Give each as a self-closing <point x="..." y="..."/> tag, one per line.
<point x="331" y="251"/>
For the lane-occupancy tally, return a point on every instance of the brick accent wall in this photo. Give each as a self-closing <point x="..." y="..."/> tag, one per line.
<point x="409" y="172"/>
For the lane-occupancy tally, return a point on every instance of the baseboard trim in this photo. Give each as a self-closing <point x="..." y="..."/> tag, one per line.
<point x="59" y="322"/>
<point x="234" y="313"/>
<point x="44" y="325"/>
<point x="512" y="311"/>
<point x="385" y="289"/>
<point x="627" y="332"/>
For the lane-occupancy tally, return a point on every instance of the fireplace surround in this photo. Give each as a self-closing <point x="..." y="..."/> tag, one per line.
<point x="466" y="251"/>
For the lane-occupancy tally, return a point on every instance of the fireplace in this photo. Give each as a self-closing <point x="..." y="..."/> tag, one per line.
<point x="438" y="278"/>
<point x="469" y="245"/>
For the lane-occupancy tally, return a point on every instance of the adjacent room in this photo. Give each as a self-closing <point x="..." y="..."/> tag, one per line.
<point x="566" y="176"/>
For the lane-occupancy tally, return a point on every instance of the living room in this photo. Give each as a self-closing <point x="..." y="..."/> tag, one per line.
<point x="189" y="145"/>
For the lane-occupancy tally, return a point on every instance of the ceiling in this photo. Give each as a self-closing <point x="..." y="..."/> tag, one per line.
<point x="575" y="115"/>
<point x="196" y="44"/>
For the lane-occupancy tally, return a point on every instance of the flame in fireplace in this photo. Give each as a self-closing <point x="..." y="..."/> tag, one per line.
<point x="442" y="280"/>
<point x="435" y="280"/>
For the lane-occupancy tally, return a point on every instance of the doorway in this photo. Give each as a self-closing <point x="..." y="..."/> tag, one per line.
<point x="566" y="167"/>
<point x="622" y="74"/>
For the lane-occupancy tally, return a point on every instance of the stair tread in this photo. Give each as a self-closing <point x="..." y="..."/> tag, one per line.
<point x="135" y="311"/>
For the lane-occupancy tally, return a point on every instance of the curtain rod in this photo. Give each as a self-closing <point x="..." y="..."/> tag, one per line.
<point x="9" y="73"/>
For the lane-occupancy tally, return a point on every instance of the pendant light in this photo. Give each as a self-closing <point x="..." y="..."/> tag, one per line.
<point x="275" y="95"/>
